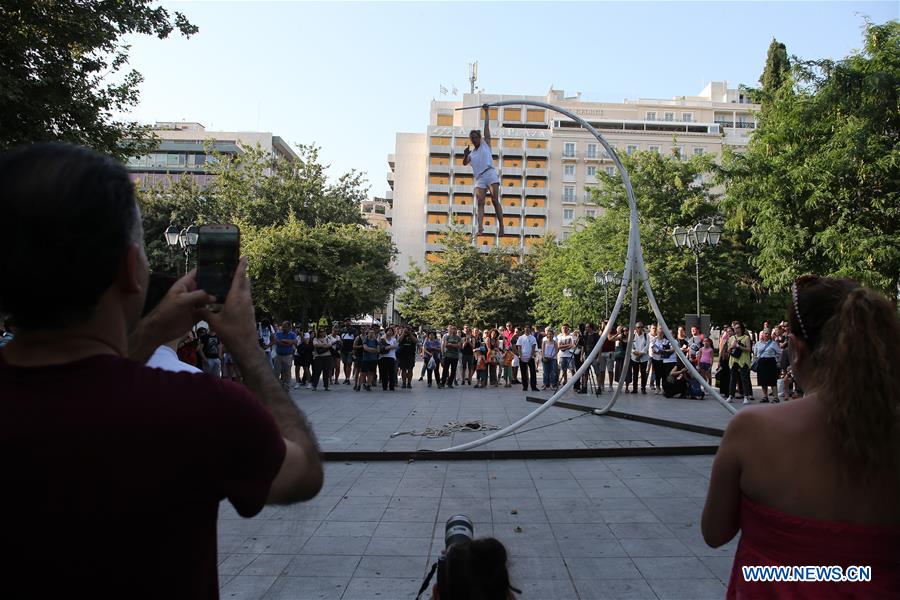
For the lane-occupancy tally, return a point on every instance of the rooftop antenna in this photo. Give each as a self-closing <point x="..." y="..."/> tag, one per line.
<point x="473" y="76"/>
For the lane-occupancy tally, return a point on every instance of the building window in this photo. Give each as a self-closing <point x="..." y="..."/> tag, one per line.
<point x="591" y="213"/>
<point x="568" y="216"/>
<point x="569" y="193"/>
<point x="592" y="150"/>
<point x="587" y="195"/>
<point x="591" y="171"/>
<point x="687" y="117"/>
<point x="698" y="151"/>
<point x="569" y="149"/>
<point x="669" y="116"/>
<point x="566" y="235"/>
<point x="611" y="171"/>
<point x="678" y="151"/>
<point x="651" y="116"/>
<point x="631" y="149"/>
<point x="653" y="149"/>
<point x="569" y="170"/>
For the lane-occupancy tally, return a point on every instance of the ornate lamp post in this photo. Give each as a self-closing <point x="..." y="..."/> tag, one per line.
<point x="607" y="278"/>
<point x="694" y="238"/>
<point x="185" y="238"/>
<point x="305" y="277"/>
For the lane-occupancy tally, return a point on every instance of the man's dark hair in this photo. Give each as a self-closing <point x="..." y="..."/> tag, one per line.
<point x="72" y="213"/>
<point x="159" y="286"/>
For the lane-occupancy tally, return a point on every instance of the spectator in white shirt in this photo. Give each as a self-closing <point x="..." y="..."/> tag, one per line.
<point x="640" y="357"/>
<point x="565" y="344"/>
<point x="526" y="347"/>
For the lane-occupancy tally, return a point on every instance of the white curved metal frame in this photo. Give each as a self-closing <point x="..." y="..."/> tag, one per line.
<point x="634" y="272"/>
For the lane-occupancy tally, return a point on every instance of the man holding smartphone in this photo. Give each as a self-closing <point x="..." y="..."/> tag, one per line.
<point x="122" y="466"/>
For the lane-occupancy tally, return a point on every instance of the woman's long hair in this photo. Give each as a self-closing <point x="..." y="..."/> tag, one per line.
<point x="852" y="333"/>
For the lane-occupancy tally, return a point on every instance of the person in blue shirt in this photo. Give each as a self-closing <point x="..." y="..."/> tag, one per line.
<point x="285" y="342"/>
<point x="371" y="350"/>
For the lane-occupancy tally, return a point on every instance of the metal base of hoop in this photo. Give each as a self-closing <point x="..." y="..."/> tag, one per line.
<point x="634" y="272"/>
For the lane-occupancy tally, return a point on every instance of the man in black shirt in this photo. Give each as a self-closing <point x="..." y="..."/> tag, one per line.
<point x="588" y="340"/>
<point x="209" y="350"/>
<point x="348" y="334"/>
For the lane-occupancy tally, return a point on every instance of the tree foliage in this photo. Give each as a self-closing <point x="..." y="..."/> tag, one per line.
<point x="291" y="218"/>
<point x="817" y="189"/>
<point x="61" y="72"/>
<point x="670" y="191"/>
<point x="467" y="286"/>
<point x="777" y="71"/>
<point x="352" y="262"/>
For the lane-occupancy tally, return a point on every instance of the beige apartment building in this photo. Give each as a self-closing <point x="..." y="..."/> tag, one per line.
<point x="182" y="151"/>
<point x="547" y="162"/>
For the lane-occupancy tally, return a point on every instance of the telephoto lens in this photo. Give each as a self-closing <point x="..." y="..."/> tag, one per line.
<point x="459" y="529"/>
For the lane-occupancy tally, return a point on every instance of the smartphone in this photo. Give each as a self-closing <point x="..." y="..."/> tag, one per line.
<point x="218" y="252"/>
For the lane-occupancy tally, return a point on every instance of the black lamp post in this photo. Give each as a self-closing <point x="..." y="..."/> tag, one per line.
<point x="305" y="277"/>
<point x="701" y="234"/>
<point x="607" y="278"/>
<point x="185" y="238"/>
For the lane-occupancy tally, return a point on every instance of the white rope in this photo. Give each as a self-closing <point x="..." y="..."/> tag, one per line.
<point x="449" y="429"/>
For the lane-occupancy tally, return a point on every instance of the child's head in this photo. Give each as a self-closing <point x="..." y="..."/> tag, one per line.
<point x="707" y="343"/>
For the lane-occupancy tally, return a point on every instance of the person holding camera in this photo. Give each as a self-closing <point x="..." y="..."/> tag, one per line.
<point x="122" y="466"/>
<point x="739" y="348"/>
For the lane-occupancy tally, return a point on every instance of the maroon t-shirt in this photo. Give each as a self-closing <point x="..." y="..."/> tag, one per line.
<point x="112" y="473"/>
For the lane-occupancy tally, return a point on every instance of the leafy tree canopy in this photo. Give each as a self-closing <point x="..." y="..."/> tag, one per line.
<point x="670" y="191"/>
<point x="817" y="189"/>
<point x="61" y="75"/>
<point x="467" y="285"/>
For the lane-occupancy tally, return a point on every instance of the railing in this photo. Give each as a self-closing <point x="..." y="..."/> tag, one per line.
<point x="442" y="188"/>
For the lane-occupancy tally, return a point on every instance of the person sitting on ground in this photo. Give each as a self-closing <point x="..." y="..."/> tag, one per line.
<point x="675" y="383"/>
<point x="816" y="481"/>
<point x="122" y="466"/>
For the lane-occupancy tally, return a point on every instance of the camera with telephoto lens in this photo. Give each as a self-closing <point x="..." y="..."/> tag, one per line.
<point x="459" y="529"/>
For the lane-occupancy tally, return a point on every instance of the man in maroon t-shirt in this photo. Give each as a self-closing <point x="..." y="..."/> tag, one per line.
<point x="112" y="472"/>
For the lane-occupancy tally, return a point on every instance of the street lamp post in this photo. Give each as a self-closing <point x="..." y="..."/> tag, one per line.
<point x="568" y="293"/>
<point x="701" y="234"/>
<point x="606" y="278"/>
<point x="304" y="277"/>
<point x="185" y="238"/>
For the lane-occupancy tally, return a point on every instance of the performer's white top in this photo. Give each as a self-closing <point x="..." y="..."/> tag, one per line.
<point x="480" y="159"/>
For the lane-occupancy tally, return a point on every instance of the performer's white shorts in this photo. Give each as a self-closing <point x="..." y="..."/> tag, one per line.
<point x="487" y="178"/>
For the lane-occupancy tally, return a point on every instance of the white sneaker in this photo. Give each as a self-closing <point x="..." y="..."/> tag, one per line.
<point x="308" y="386"/>
<point x="729" y="400"/>
<point x="745" y="402"/>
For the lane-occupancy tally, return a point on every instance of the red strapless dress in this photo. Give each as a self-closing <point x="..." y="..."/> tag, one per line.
<point x="772" y="538"/>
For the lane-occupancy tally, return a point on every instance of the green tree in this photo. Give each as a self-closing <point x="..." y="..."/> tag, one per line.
<point x="352" y="262"/>
<point x="251" y="189"/>
<point x="817" y="189"/>
<point x="467" y="286"/>
<point x="670" y="191"/>
<point x="61" y="71"/>
<point x="777" y="71"/>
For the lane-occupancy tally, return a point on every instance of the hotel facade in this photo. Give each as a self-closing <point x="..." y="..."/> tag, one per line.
<point x="547" y="162"/>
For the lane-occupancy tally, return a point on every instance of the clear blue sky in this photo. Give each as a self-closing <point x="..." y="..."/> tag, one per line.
<point x="348" y="76"/>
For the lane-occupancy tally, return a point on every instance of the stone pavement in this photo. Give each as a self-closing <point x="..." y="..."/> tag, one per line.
<point x="346" y="420"/>
<point x="578" y="528"/>
<point x="575" y="529"/>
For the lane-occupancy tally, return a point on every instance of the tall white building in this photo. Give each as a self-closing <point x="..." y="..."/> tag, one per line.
<point x="547" y="162"/>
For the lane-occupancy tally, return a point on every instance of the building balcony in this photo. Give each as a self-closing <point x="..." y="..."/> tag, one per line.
<point x="391" y="161"/>
<point x="463" y="189"/>
<point x="435" y="227"/>
<point x="437" y="208"/>
<point x="569" y="156"/>
<point x="462" y="209"/>
<point x="537" y="172"/>
<point x="539" y="152"/>
<point x="389" y="195"/>
<point x="510" y="190"/>
<point x="511" y="171"/>
<point x="511" y="230"/>
<point x="534" y="230"/>
<point x="444" y="169"/>
<point x="536" y="211"/>
<point x="435" y="149"/>
<point x="537" y="191"/>
<point x="435" y="247"/>
<point x="511" y="151"/>
<point x="441" y="188"/>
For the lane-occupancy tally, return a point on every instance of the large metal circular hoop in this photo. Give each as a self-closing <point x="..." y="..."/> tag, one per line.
<point x="634" y="272"/>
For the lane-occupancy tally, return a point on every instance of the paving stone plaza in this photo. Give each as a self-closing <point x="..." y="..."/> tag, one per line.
<point x="575" y="528"/>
